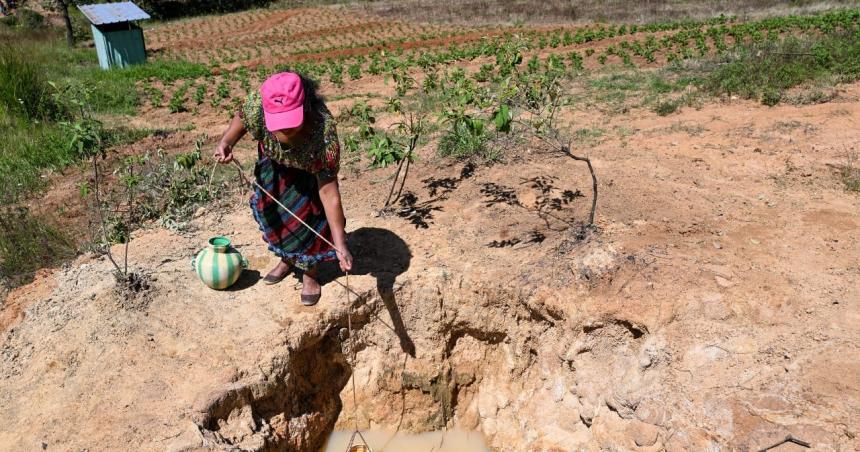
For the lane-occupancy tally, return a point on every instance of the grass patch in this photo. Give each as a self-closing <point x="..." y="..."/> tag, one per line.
<point x="765" y="71"/>
<point x="24" y="89"/>
<point x="46" y="54"/>
<point x="28" y="150"/>
<point x="586" y="136"/>
<point x="31" y="136"/>
<point x="28" y="243"/>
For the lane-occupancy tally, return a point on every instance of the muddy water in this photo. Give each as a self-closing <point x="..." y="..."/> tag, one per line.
<point x="381" y="441"/>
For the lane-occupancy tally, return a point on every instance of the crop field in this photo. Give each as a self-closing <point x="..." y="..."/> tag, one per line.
<point x="338" y="45"/>
<point x="261" y="37"/>
<point x="341" y="46"/>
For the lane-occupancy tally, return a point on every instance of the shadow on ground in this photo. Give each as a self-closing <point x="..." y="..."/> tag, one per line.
<point x="383" y="255"/>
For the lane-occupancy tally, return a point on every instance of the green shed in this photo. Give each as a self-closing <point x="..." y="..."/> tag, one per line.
<point x="118" y="38"/>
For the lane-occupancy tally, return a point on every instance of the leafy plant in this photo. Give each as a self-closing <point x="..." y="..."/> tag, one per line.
<point x="177" y="100"/>
<point x="363" y="115"/>
<point x="354" y="71"/>
<point x="383" y="151"/>
<point x="199" y="94"/>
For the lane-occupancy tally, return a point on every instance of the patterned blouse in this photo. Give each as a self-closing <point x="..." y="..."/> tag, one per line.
<point x="318" y="154"/>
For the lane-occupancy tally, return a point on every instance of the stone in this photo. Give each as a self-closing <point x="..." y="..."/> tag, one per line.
<point x="643" y="435"/>
<point x="723" y="282"/>
<point x="651" y="412"/>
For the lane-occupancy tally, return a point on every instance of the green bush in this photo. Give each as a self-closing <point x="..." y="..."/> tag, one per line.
<point x="29" y="19"/>
<point x="8" y="21"/>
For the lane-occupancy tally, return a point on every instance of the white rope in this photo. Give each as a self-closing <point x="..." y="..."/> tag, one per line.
<point x="348" y="300"/>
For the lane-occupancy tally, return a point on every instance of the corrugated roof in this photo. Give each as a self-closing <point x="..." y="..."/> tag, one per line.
<point x="111" y="13"/>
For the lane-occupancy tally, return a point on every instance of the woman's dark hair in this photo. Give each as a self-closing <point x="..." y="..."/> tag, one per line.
<point x="313" y="99"/>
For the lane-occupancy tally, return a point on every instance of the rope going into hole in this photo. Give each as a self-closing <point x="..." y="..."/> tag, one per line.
<point x="254" y="183"/>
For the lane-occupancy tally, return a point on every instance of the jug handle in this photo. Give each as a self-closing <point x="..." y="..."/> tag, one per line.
<point x="244" y="263"/>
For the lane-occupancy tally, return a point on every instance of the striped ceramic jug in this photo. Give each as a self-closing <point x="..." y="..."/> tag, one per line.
<point x="219" y="264"/>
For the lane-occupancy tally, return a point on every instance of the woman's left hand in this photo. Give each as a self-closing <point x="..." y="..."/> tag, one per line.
<point x="345" y="258"/>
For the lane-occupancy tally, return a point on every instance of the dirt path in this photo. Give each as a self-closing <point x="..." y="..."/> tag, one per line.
<point x="717" y="306"/>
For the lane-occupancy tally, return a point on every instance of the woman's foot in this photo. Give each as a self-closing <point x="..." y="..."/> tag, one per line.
<point x="278" y="273"/>
<point x="311" y="289"/>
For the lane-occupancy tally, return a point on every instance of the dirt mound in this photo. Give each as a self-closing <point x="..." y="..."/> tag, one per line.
<point x="715" y="306"/>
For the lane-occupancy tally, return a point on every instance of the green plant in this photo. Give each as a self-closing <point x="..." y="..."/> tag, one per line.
<point x="666" y="107"/>
<point x="177" y="100"/>
<point x="84" y="134"/>
<point x="336" y="73"/>
<point x="363" y="115"/>
<point x="383" y="151"/>
<point x="156" y="96"/>
<point x="484" y="73"/>
<point x="403" y="82"/>
<point x="770" y="97"/>
<point x="199" y="93"/>
<point x="223" y="89"/>
<point x="354" y="71"/>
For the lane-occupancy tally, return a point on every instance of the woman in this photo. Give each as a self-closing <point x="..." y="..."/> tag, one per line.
<point x="298" y="159"/>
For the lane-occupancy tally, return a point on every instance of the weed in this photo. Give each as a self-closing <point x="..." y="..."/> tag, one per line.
<point x="666" y="107"/>
<point x="354" y="71"/>
<point x="589" y="136"/>
<point x="463" y="142"/>
<point x="28" y="243"/>
<point x="850" y="173"/>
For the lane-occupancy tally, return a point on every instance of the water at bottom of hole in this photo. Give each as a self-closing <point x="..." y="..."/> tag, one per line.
<point x="382" y="440"/>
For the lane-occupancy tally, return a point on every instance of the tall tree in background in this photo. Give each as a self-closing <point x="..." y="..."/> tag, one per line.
<point x="63" y="7"/>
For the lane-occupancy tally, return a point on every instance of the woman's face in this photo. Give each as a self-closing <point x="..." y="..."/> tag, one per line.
<point x="285" y="135"/>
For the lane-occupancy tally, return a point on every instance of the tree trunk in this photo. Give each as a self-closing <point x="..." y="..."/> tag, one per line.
<point x="64" y="8"/>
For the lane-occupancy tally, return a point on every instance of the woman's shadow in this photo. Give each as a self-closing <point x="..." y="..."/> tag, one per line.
<point x="383" y="255"/>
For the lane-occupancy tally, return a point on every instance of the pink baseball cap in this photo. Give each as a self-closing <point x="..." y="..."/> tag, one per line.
<point x="283" y="101"/>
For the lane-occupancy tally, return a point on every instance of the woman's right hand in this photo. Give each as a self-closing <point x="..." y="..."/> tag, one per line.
<point x="224" y="152"/>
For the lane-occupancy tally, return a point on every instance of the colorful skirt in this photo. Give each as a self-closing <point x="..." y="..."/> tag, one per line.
<point x="299" y="191"/>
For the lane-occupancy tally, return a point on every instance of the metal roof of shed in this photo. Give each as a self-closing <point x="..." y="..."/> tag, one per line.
<point x="111" y="13"/>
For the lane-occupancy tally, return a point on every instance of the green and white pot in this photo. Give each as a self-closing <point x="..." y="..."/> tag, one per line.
<point x="219" y="264"/>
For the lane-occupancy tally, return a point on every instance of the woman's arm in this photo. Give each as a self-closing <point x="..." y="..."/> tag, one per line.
<point x="330" y="196"/>
<point x="236" y="130"/>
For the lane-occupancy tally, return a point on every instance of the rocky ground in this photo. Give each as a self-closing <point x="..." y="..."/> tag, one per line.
<point x="715" y="307"/>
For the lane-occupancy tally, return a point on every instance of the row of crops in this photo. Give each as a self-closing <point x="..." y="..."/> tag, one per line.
<point x="515" y="80"/>
<point x="679" y="40"/>
<point x="560" y="49"/>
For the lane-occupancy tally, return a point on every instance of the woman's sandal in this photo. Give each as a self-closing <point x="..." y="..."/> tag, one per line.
<point x="269" y="279"/>
<point x="311" y="299"/>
